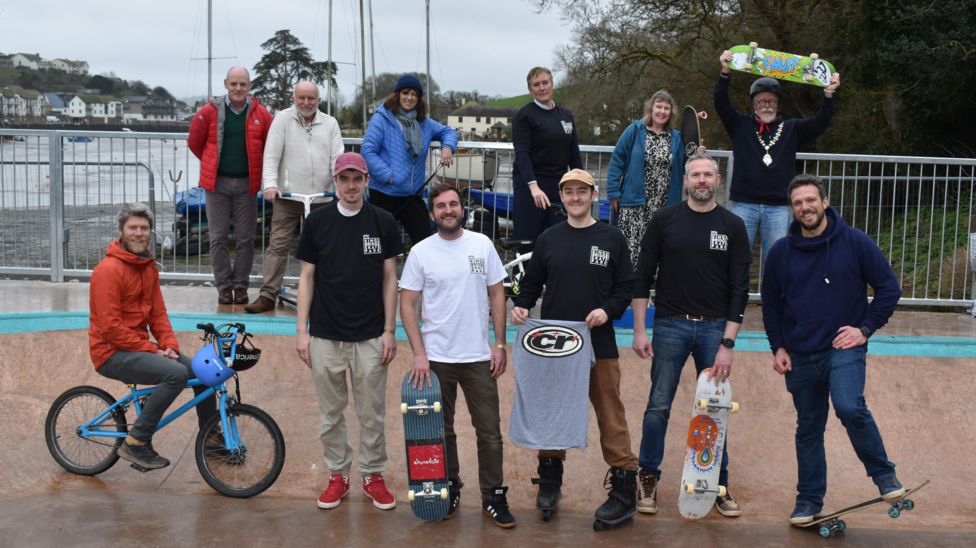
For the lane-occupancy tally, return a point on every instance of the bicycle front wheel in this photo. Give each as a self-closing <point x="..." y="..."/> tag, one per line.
<point x="85" y="455"/>
<point x="254" y="465"/>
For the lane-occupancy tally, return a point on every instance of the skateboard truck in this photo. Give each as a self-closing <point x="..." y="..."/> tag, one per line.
<point x="713" y="405"/>
<point x="701" y="486"/>
<point x="421" y="407"/>
<point x="427" y="491"/>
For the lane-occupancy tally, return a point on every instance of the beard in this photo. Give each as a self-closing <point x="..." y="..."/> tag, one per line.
<point x="443" y="226"/>
<point x="702" y="195"/>
<point x="817" y="220"/>
<point x="767" y="117"/>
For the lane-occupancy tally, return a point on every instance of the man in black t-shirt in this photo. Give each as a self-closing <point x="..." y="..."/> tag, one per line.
<point x="346" y="322"/>
<point x="698" y="252"/>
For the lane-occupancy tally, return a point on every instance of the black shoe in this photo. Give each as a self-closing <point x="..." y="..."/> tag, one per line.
<point x="890" y="487"/>
<point x="454" y="488"/>
<point x="621" y="501"/>
<point x="142" y="455"/>
<point x="804" y="512"/>
<point x="550" y="481"/>
<point x="495" y="506"/>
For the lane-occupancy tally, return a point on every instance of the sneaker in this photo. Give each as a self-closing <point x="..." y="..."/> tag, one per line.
<point x="647" y="492"/>
<point x="890" y="487"/>
<point x="337" y="489"/>
<point x="495" y="506"/>
<point x="142" y="455"/>
<point x="225" y="296"/>
<point x="454" y="489"/>
<point x="804" y="512"/>
<point x="375" y="488"/>
<point x="727" y="506"/>
<point x="260" y="305"/>
<point x="240" y="295"/>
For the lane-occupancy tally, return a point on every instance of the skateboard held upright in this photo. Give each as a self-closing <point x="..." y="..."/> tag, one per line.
<point x="423" y="435"/>
<point x="791" y="67"/>
<point x="706" y="444"/>
<point x="690" y="130"/>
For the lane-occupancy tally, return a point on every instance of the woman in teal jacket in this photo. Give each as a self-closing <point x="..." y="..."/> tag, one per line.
<point x="395" y="148"/>
<point x="646" y="170"/>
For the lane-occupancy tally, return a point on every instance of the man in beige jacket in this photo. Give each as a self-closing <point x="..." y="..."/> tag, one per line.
<point x="303" y="144"/>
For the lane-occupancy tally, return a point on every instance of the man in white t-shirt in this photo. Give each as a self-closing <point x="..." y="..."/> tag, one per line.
<point x="459" y="275"/>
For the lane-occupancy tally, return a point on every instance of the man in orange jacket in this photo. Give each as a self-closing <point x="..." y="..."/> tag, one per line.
<point x="227" y="134"/>
<point x="126" y="304"/>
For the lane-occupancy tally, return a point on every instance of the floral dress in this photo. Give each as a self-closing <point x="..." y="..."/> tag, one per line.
<point x="657" y="175"/>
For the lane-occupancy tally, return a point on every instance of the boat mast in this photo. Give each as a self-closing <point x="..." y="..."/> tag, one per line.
<point x="362" y="47"/>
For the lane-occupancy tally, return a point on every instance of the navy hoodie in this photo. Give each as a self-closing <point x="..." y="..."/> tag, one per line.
<point x="814" y="286"/>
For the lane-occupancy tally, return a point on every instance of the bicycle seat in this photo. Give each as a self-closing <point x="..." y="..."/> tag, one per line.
<point x="512" y="243"/>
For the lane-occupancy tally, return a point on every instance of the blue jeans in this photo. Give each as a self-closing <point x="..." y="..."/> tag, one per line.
<point x="838" y="374"/>
<point x="675" y="338"/>
<point x="771" y="221"/>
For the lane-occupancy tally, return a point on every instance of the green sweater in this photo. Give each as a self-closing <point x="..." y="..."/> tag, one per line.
<point x="233" y="153"/>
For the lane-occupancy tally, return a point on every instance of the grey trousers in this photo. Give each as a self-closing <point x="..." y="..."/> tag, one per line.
<point x="231" y="199"/>
<point x="152" y="369"/>
<point x="286" y="217"/>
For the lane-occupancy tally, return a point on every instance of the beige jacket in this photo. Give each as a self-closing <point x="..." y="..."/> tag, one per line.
<point x="300" y="160"/>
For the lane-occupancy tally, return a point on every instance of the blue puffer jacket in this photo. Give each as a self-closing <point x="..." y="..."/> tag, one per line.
<point x="392" y="170"/>
<point x="625" y="175"/>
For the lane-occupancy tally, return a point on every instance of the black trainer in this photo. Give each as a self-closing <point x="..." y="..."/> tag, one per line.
<point x="495" y="506"/>
<point x="142" y="455"/>
<point x="454" y="490"/>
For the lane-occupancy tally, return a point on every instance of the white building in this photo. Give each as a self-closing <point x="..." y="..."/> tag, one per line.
<point x="474" y="120"/>
<point x="26" y="60"/>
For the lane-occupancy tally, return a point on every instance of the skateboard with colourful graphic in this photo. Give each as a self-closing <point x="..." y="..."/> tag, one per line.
<point x="423" y="434"/>
<point x="706" y="442"/>
<point x="831" y="524"/>
<point x="783" y="66"/>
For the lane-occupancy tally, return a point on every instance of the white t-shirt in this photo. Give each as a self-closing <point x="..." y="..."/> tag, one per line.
<point x="453" y="277"/>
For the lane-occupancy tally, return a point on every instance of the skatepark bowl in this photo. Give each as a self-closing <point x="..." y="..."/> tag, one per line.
<point x="919" y="379"/>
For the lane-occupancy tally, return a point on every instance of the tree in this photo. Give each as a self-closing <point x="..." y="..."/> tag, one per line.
<point x="286" y="63"/>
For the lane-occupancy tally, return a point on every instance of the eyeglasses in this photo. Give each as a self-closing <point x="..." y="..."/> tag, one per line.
<point x="767" y="102"/>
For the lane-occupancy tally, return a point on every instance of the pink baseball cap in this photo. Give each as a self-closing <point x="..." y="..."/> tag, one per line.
<point x="350" y="160"/>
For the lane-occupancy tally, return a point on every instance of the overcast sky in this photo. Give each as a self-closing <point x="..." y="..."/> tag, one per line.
<point x="486" y="46"/>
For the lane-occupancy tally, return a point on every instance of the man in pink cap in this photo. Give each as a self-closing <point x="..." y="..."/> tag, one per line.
<point x="346" y="321"/>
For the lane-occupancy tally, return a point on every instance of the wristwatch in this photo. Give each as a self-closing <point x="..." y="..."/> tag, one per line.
<point x="728" y="343"/>
<point x="866" y="332"/>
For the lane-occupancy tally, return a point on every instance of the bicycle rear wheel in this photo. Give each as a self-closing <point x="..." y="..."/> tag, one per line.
<point x="251" y="469"/>
<point x="85" y="455"/>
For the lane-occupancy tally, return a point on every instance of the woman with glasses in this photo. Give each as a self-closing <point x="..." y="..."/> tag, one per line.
<point x="395" y="148"/>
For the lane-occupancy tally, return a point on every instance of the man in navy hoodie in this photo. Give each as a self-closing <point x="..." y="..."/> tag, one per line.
<point x="818" y="321"/>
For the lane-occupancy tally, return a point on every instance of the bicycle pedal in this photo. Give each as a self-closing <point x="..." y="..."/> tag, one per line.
<point x="140" y="468"/>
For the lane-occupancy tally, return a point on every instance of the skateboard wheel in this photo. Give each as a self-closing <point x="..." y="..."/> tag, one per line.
<point x="841" y="525"/>
<point x="753" y="45"/>
<point x="722" y="490"/>
<point x="814" y="56"/>
<point x="825" y="531"/>
<point x="411" y="495"/>
<point x="689" y="488"/>
<point x="909" y="505"/>
<point x="807" y="77"/>
<point x="735" y="407"/>
<point x="701" y="404"/>
<point x="437" y="407"/>
<point x="748" y="66"/>
<point x="444" y="493"/>
<point x="894" y="512"/>
<point x="403" y="408"/>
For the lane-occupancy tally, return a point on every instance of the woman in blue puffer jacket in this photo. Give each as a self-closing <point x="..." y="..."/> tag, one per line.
<point x="646" y="170"/>
<point x="395" y="148"/>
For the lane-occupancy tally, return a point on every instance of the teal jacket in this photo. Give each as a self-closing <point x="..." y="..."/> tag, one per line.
<point x="625" y="175"/>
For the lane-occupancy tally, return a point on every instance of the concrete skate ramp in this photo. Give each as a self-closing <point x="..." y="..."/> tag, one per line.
<point x="923" y="407"/>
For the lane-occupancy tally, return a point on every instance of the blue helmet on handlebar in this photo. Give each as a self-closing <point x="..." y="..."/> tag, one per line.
<point x="209" y="366"/>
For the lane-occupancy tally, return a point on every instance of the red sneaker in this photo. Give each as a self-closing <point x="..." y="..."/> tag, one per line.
<point x="332" y="496"/>
<point x="375" y="488"/>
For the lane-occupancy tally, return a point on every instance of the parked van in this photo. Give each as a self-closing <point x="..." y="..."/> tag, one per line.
<point x="53" y="120"/>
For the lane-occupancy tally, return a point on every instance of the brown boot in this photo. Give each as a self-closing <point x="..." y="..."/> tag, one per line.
<point x="240" y="295"/>
<point x="226" y="296"/>
<point x="261" y="304"/>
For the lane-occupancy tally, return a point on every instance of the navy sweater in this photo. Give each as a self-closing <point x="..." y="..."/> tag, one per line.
<point x="814" y="286"/>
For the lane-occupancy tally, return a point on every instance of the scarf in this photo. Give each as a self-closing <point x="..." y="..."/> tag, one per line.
<point x="763" y="126"/>
<point x="411" y="131"/>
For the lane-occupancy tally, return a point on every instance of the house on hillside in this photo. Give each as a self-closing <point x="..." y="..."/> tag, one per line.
<point x="26" y="60"/>
<point x="148" y="108"/>
<point x="476" y="121"/>
<point x="6" y="61"/>
<point x="17" y="102"/>
<point x="69" y="66"/>
<point x="102" y="108"/>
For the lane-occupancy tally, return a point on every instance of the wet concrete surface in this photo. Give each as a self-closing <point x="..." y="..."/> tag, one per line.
<point x="916" y="401"/>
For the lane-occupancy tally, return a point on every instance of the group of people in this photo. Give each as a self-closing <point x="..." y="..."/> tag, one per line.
<point x="694" y="253"/>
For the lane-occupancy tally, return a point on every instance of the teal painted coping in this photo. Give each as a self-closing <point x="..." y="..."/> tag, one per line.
<point x="748" y="341"/>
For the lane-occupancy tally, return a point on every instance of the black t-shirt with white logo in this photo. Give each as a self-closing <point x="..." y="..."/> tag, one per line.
<point x="348" y="254"/>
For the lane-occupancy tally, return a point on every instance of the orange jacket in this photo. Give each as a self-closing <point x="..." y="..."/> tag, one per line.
<point x="125" y="304"/>
<point x="207" y="137"/>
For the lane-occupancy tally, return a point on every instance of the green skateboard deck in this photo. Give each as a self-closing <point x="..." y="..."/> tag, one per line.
<point x="783" y="66"/>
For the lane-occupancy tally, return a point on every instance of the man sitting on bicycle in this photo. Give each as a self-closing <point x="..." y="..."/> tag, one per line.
<point x="126" y="306"/>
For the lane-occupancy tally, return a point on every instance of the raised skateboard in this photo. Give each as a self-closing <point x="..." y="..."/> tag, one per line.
<point x="830" y="524"/>
<point x="706" y="443"/>
<point x="690" y="130"/>
<point x="783" y="66"/>
<point x="423" y="434"/>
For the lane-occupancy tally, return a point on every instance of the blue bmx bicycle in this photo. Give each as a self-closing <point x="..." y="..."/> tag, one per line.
<point x="240" y="451"/>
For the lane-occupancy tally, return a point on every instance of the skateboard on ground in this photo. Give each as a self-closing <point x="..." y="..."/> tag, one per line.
<point x="690" y="130"/>
<point x="783" y="66"/>
<point x="423" y="434"/>
<point x="706" y="443"/>
<point x="831" y="523"/>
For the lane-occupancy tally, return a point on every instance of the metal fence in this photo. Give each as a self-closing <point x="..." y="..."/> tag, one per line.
<point x="60" y="190"/>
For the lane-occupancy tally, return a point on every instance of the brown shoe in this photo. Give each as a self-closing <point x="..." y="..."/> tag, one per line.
<point x="261" y="304"/>
<point x="240" y="295"/>
<point x="226" y="296"/>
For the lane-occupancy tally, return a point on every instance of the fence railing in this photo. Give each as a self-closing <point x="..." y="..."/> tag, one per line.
<point x="60" y="191"/>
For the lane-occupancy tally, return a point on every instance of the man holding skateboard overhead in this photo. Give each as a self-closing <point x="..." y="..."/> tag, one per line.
<point x="459" y="275"/>
<point x="764" y="149"/>
<point x="696" y="253"/>
<point x="818" y="320"/>
<point x="346" y="320"/>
